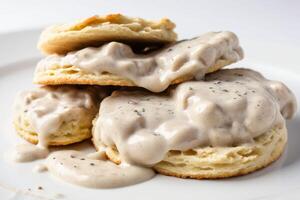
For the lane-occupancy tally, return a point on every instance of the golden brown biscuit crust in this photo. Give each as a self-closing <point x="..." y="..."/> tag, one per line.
<point x="97" y="30"/>
<point x="57" y="139"/>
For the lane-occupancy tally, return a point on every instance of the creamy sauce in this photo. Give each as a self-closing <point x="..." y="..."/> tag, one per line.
<point x="28" y="152"/>
<point x="230" y="108"/>
<point x="39" y="168"/>
<point x="154" y="71"/>
<point x="75" y="167"/>
<point x="47" y="109"/>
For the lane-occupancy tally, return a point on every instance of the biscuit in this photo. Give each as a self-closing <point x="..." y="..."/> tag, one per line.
<point x="63" y="113"/>
<point x="220" y="162"/>
<point x="96" y="30"/>
<point x="230" y="124"/>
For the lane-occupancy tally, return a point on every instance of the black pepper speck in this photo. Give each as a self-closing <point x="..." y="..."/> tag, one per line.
<point x="137" y="112"/>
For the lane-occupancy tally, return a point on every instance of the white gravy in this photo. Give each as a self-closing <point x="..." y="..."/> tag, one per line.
<point x="154" y="71"/>
<point x="28" y="152"/>
<point x="230" y="108"/>
<point x="75" y="167"/>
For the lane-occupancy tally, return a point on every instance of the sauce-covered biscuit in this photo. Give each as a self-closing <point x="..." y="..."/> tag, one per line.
<point x="57" y="115"/>
<point x="234" y="110"/>
<point x="116" y="63"/>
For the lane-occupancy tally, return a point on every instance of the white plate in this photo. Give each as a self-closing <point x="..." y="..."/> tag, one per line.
<point x="281" y="180"/>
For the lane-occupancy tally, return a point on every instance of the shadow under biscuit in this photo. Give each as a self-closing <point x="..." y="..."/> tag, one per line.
<point x="293" y="147"/>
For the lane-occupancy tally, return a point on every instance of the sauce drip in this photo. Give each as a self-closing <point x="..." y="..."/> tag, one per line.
<point x="28" y="152"/>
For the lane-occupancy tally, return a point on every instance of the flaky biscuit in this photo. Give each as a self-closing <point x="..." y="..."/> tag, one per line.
<point x="96" y="30"/>
<point x="68" y="134"/>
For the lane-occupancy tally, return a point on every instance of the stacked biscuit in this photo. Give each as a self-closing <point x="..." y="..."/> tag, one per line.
<point x="171" y="80"/>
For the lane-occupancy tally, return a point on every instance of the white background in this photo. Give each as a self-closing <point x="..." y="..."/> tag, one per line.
<point x="275" y="21"/>
<point x="266" y="25"/>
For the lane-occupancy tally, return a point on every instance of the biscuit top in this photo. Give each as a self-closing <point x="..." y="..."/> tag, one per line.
<point x="157" y="70"/>
<point x="48" y="108"/>
<point x="230" y="108"/>
<point x="133" y="23"/>
<point x="96" y="30"/>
